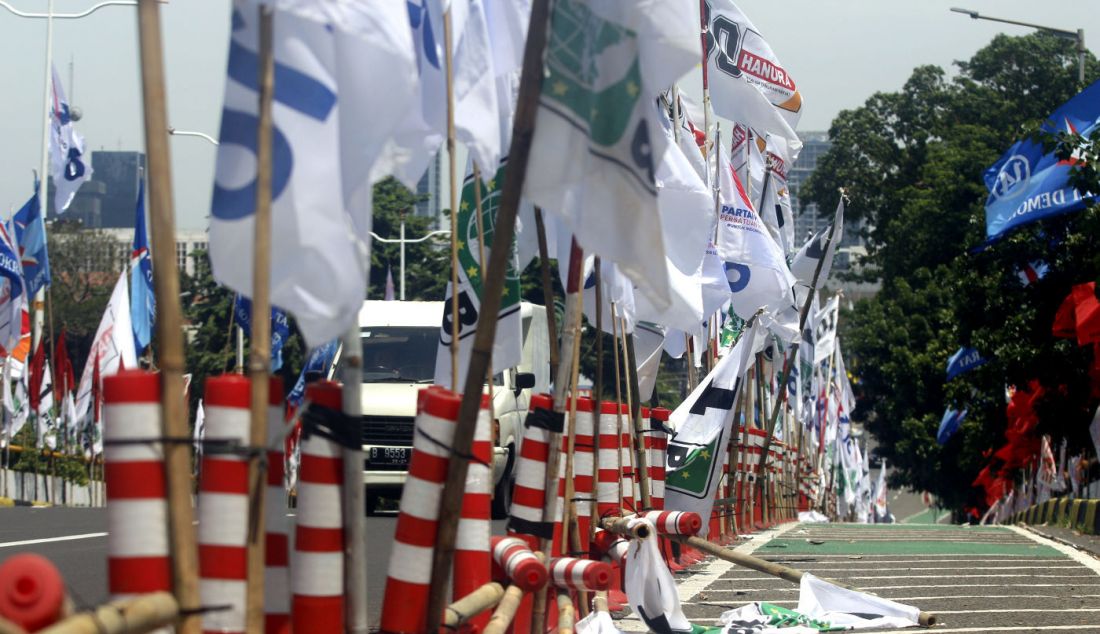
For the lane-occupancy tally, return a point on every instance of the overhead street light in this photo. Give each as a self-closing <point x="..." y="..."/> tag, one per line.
<point x="403" y="241"/>
<point x="1077" y="36"/>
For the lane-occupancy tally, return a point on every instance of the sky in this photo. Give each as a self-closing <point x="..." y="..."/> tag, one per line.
<point x="839" y="53"/>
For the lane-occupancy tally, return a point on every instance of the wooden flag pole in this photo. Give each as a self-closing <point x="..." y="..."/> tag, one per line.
<point x="260" y="338"/>
<point x="641" y="462"/>
<point x="547" y="291"/>
<point x="523" y="130"/>
<point x="792" y="356"/>
<point x="618" y="402"/>
<point x="448" y="55"/>
<point x="177" y="456"/>
<point x="597" y="398"/>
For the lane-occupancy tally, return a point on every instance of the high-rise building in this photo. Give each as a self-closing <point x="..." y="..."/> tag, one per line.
<point x="429" y="189"/>
<point x="108" y="199"/>
<point x="807" y="219"/>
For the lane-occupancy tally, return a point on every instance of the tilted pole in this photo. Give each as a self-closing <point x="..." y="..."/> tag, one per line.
<point x="523" y="130"/>
<point x="169" y="331"/>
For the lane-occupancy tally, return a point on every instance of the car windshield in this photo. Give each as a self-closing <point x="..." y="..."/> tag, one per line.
<point x="399" y="354"/>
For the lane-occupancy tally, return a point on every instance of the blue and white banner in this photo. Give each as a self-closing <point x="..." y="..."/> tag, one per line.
<point x="1027" y="184"/>
<point x="67" y="164"/>
<point x="30" y="236"/>
<point x="280" y="327"/>
<point x="13" y="296"/>
<point x="963" y="361"/>
<point x="143" y="302"/>
<point x="319" y="361"/>
<point x="331" y="121"/>
<point x="949" y="424"/>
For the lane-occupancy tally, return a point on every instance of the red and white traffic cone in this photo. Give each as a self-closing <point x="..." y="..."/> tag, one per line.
<point x="613" y="548"/>
<point x="472" y="560"/>
<point x="138" y="560"/>
<point x="584" y="478"/>
<point x="405" y="606"/>
<point x="513" y="560"/>
<point x="571" y="573"/>
<point x="675" y="522"/>
<point x="276" y="522"/>
<point x="223" y="505"/>
<point x="317" y="569"/>
<point x="608" y="478"/>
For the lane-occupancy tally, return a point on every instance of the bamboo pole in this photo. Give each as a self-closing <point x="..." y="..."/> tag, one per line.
<point x="452" y="171"/>
<point x="260" y="337"/>
<point x="597" y="400"/>
<point x="504" y="230"/>
<point x="505" y="612"/>
<point x="621" y="526"/>
<point x="567" y="615"/>
<point x="641" y="460"/>
<point x="926" y="619"/>
<point x="144" y="613"/>
<point x="169" y="331"/>
<point x="547" y="290"/>
<point x="599" y="603"/>
<point x="472" y="604"/>
<point x="354" y="504"/>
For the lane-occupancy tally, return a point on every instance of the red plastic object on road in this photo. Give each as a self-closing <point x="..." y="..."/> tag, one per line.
<point x="32" y="592"/>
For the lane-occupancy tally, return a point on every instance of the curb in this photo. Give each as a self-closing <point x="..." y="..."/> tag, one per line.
<point x="1080" y="515"/>
<point x="9" y="502"/>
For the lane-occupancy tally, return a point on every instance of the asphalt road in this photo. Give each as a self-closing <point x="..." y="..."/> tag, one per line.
<point x="74" y="539"/>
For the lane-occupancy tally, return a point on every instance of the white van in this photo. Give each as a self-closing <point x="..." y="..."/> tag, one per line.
<point x="400" y="340"/>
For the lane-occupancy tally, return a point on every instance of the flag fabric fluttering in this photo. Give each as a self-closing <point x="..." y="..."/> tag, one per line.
<point x="15" y="400"/>
<point x="650" y="587"/>
<point x="112" y="349"/>
<point x="30" y="236"/>
<point x="67" y="165"/>
<point x="507" y="344"/>
<point x="1047" y="467"/>
<point x="755" y="268"/>
<point x="322" y="156"/>
<point x="319" y="361"/>
<point x="280" y="327"/>
<point x="882" y="513"/>
<point x="1032" y="272"/>
<point x="143" y="302"/>
<point x="747" y="82"/>
<point x="964" y="360"/>
<point x="1027" y="183"/>
<point x="598" y="129"/>
<point x="805" y="261"/>
<point x="703" y="424"/>
<point x="949" y="424"/>
<point x="13" y="295"/>
<point x="825" y="323"/>
<point x="775" y="201"/>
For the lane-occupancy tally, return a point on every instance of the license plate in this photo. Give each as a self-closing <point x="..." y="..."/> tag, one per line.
<point x="389" y="455"/>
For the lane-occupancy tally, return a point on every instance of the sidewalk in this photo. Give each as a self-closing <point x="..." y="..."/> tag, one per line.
<point x="975" y="579"/>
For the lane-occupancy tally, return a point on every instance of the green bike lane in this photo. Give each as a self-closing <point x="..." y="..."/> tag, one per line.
<point x="976" y="579"/>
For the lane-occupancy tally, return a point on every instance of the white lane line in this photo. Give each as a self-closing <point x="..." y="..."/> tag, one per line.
<point x="31" y="542"/>
<point x="1087" y="561"/>
<point x="1087" y="575"/>
<point x="1054" y="563"/>
<point x="1011" y="628"/>
<point x="885" y="558"/>
<point x="961" y="596"/>
<point x="793" y="588"/>
<point x="1017" y="610"/>
<point x="1068" y="566"/>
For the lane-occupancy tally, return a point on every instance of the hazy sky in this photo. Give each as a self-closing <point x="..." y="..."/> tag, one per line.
<point x="838" y="51"/>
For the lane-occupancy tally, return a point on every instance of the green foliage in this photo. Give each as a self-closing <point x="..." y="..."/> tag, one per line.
<point x="912" y="162"/>
<point x="427" y="263"/>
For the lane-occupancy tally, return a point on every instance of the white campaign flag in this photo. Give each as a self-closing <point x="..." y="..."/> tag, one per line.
<point x="649" y="342"/>
<point x="199" y="433"/>
<point x="15" y="401"/>
<point x="650" y="587"/>
<point x="755" y="268"/>
<point x="113" y="346"/>
<point x="825" y="323"/>
<point x="844" y="608"/>
<point x="322" y="156"/>
<point x="775" y="200"/>
<point x="747" y="82"/>
<point x="880" y="495"/>
<point x="805" y="261"/>
<point x="67" y="165"/>
<point x="44" y="415"/>
<point x="703" y="423"/>
<point x="598" y="130"/>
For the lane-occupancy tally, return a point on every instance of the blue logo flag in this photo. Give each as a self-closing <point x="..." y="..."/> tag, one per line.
<point x="30" y="237"/>
<point x="143" y="302"/>
<point x="1026" y="184"/>
<point x="952" y="419"/>
<point x="280" y="327"/>
<point x="319" y="361"/>
<point x="964" y="360"/>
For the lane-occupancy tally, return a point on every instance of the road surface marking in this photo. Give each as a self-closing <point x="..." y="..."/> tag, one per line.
<point x="794" y="588"/>
<point x="1074" y="554"/>
<point x="29" y="542"/>
<point x="1011" y="628"/>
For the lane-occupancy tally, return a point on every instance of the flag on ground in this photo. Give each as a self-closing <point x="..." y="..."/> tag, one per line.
<point x="67" y="164"/>
<point x="30" y="236"/>
<point x="1027" y="183"/>
<point x="322" y="155"/>
<point x="143" y="302"/>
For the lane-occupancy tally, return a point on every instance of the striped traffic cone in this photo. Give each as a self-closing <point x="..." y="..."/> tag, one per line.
<point x="138" y="559"/>
<point x="472" y="560"/>
<point x="317" y="568"/>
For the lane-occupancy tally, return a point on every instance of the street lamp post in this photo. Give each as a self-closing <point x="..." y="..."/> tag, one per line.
<point x="1077" y="36"/>
<point x="403" y="241"/>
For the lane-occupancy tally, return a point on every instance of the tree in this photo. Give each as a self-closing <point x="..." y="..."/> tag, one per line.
<point x="913" y="163"/>
<point x="427" y="264"/>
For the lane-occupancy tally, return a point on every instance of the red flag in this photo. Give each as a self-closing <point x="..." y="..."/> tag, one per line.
<point x="1065" y="322"/>
<point x="34" y="384"/>
<point x="1086" y="313"/>
<point x="63" y="379"/>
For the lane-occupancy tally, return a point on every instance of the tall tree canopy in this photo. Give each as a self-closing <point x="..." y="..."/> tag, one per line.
<point x="912" y="161"/>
